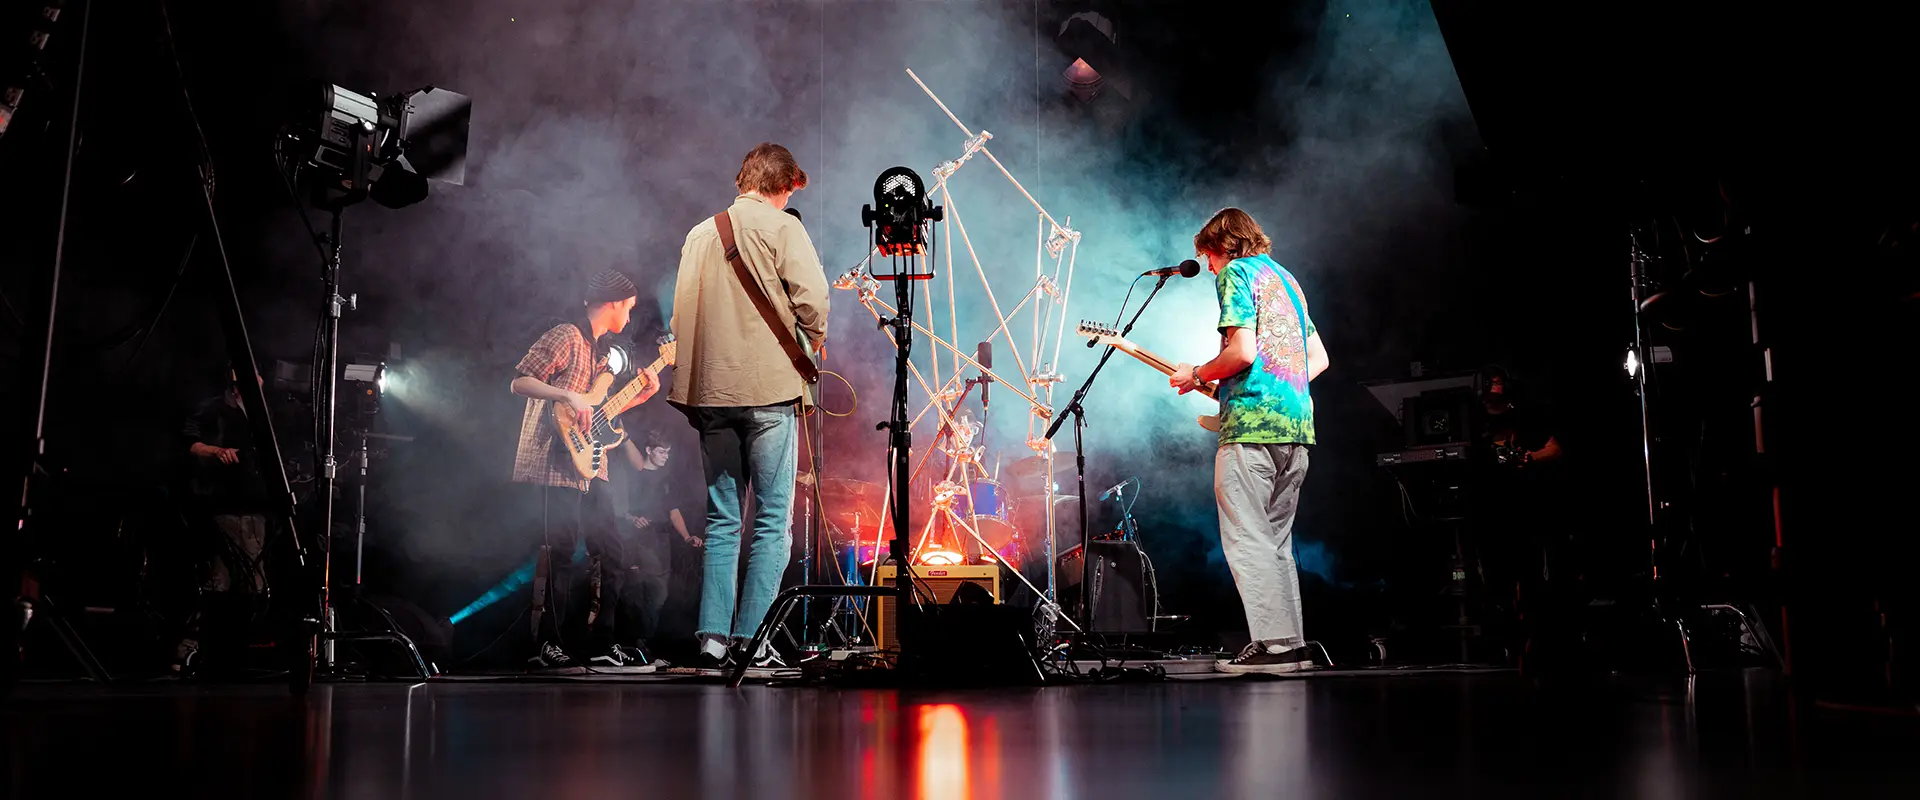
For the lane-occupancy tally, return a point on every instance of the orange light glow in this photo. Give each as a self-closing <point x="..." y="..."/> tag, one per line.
<point x="935" y="555"/>
<point x="943" y="754"/>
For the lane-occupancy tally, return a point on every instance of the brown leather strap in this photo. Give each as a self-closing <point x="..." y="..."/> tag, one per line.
<point x="795" y="353"/>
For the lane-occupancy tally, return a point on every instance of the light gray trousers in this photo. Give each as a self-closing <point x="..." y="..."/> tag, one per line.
<point x="1258" y="489"/>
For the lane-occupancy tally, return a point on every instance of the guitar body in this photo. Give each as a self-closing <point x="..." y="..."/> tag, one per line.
<point x="586" y="448"/>
<point x="809" y="373"/>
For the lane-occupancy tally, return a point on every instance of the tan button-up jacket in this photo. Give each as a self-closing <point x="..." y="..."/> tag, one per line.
<point x="727" y="354"/>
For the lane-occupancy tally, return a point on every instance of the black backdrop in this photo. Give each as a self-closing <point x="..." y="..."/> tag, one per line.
<point x="1535" y="279"/>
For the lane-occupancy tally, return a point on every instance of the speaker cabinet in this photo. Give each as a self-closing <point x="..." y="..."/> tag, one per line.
<point x="942" y="582"/>
<point x="1124" y="594"/>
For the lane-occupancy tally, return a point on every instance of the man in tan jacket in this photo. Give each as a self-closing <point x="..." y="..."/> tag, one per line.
<point x="737" y="388"/>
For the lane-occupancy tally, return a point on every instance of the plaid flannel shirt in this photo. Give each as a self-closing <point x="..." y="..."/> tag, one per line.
<point x="564" y="359"/>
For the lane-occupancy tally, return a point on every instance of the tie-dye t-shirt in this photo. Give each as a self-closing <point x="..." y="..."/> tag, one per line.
<point x="1268" y="402"/>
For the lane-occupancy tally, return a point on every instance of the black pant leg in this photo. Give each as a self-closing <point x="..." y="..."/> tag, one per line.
<point x="561" y="509"/>
<point x="600" y="527"/>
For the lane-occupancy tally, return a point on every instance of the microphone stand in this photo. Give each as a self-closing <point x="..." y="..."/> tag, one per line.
<point x="1079" y="413"/>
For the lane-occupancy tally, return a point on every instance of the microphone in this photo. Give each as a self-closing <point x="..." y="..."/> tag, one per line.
<point x="1185" y="269"/>
<point x="985" y="356"/>
<point x="1116" y="489"/>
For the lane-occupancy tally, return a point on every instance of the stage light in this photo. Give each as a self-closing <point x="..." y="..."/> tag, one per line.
<point x="358" y="148"/>
<point x="367" y="399"/>
<point x="934" y="555"/>
<point x="1090" y="40"/>
<point x="616" y="359"/>
<point x="1633" y="363"/>
<point x="900" y="210"/>
<point x="365" y="373"/>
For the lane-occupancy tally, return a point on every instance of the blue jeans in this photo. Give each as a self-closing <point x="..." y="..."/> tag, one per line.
<point x="757" y="446"/>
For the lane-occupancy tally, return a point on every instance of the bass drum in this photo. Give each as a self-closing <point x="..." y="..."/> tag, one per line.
<point x="1000" y="536"/>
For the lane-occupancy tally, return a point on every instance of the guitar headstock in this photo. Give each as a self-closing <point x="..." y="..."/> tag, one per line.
<point x="1100" y="333"/>
<point x="669" y="350"/>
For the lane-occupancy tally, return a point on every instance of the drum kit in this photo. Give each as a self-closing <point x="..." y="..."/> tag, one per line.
<point x="1008" y="509"/>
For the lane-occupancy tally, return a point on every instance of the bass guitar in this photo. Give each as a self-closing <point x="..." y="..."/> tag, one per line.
<point x="1107" y="335"/>
<point x="586" y="447"/>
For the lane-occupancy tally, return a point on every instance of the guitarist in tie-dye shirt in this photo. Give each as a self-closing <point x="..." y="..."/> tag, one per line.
<point x="1269" y="351"/>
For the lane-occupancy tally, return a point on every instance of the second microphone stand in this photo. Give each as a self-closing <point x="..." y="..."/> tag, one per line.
<point x="1079" y="412"/>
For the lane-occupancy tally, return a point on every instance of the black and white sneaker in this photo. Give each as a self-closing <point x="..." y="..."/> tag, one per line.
<point x="769" y="665"/>
<point x="637" y="656"/>
<point x="612" y="657"/>
<point x="550" y="656"/>
<point x="1267" y="658"/>
<point x="622" y="660"/>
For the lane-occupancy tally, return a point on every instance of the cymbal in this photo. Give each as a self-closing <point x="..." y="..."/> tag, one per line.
<point x="845" y="490"/>
<point x="1036" y="498"/>
<point x="854" y="508"/>
<point x="1034" y="468"/>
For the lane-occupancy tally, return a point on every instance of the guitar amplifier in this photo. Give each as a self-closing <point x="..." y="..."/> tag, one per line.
<point x="1125" y="596"/>
<point x="942" y="582"/>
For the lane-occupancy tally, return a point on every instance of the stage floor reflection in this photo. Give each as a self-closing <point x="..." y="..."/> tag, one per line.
<point x="1433" y="735"/>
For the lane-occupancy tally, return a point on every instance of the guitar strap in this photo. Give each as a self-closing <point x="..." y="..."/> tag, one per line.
<point x="795" y="353"/>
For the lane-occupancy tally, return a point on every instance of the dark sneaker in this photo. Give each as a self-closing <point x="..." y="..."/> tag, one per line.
<point x="550" y="657"/>
<point x="637" y="656"/>
<point x="621" y="660"/>
<point x="185" y="659"/>
<point x="611" y="658"/>
<point x="1266" y="658"/>
<point x="712" y="666"/>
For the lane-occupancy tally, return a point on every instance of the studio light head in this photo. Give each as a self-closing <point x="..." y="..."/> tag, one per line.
<point x="371" y="380"/>
<point x="900" y="209"/>
<point x="352" y="146"/>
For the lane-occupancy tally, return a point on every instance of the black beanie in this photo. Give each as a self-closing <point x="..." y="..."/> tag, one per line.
<point x="609" y="286"/>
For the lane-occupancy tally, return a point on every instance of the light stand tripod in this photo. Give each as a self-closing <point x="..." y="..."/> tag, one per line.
<point x="325" y="408"/>
<point x="1079" y="412"/>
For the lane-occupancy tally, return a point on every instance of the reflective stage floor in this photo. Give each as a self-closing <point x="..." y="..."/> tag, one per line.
<point x="1481" y="735"/>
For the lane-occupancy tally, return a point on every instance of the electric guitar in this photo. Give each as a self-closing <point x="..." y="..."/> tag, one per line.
<point x="810" y="381"/>
<point x="587" y="447"/>
<point x="1106" y="335"/>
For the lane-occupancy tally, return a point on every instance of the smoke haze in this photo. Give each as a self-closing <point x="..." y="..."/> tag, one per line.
<point x="602" y="132"/>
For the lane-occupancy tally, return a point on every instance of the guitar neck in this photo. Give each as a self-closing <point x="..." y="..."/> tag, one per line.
<point x="1151" y="359"/>
<point x="621" y="398"/>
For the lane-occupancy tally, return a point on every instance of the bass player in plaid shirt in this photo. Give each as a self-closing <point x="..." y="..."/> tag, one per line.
<point x="560" y="368"/>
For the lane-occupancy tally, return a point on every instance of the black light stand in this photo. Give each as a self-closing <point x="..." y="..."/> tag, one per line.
<point x="1660" y="590"/>
<point x="354" y="153"/>
<point x="1079" y="413"/>
<point x="326" y="409"/>
<point x="16" y="557"/>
